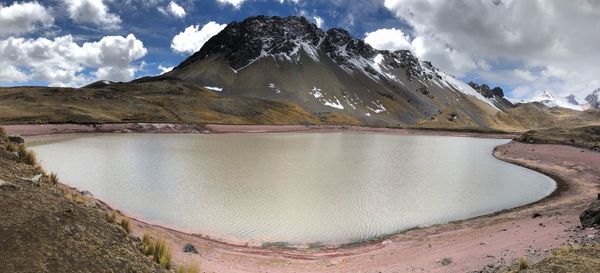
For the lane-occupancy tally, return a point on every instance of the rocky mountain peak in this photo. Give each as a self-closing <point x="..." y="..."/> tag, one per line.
<point x="572" y="99"/>
<point x="243" y="42"/>
<point x="594" y="99"/>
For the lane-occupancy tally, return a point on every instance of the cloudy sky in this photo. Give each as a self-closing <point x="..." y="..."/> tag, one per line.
<point x="523" y="46"/>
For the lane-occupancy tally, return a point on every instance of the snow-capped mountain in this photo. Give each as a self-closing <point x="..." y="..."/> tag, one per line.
<point x="549" y="99"/>
<point x="593" y="99"/>
<point x="330" y="71"/>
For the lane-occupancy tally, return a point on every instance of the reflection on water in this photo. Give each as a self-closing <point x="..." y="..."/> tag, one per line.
<point x="293" y="187"/>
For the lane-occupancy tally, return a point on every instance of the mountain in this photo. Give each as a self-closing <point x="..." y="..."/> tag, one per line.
<point x="272" y="70"/>
<point x="594" y="99"/>
<point x="547" y="98"/>
<point x="329" y="72"/>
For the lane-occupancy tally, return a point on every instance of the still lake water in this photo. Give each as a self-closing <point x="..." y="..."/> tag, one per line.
<point x="293" y="187"/>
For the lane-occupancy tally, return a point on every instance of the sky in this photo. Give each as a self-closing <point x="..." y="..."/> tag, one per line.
<point x="525" y="47"/>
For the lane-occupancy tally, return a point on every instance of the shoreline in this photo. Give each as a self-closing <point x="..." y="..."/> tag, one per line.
<point x="564" y="203"/>
<point x="170" y="128"/>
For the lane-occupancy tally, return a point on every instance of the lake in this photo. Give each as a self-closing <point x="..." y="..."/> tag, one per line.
<point x="300" y="188"/>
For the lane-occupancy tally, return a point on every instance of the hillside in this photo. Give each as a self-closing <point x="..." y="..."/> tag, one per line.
<point x="47" y="227"/>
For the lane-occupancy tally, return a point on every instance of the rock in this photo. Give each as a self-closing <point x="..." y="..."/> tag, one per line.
<point x="446" y="261"/>
<point x="87" y="193"/>
<point x="8" y="186"/>
<point x="35" y="179"/>
<point x="189" y="248"/>
<point x="591" y="216"/>
<point x="17" y="139"/>
<point x="536" y="215"/>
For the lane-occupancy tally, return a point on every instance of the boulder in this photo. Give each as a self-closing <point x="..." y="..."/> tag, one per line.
<point x="189" y="248"/>
<point x="35" y="180"/>
<point x="17" y="139"/>
<point x="591" y="216"/>
<point x="8" y="186"/>
<point x="86" y="193"/>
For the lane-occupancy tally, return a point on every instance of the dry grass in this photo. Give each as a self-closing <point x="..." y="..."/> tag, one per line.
<point x="565" y="250"/>
<point x="147" y="244"/>
<point x="162" y="253"/>
<point x="26" y="156"/>
<point x="126" y="224"/>
<point x="112" y="217"/>
<point x="523" y="264"/>
<point x="188" y="269"/>
<point x="53" y="177"/>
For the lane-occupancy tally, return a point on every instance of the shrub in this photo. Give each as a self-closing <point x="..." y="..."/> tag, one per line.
<point x="27" y="156"/>
<point x="188" y="269"/>
<point x="523" y="263"/>
<point x="126" y="224"/>
<point x="147" y="244"/>
<point x="162" y="254"/>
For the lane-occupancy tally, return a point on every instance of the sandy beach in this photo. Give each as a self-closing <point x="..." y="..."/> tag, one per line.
<point x="471" y="244"/>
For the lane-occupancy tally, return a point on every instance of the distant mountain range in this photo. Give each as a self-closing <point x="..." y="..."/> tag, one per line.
<point x="547" y="98"/>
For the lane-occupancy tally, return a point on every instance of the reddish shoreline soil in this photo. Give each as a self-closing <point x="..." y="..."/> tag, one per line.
<point x="472" y="244"/>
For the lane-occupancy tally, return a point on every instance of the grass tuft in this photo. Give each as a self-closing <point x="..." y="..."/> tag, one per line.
<point x="162" y="254"/>
<point x="53" y="178"/>
<point x="188" y="269"/>
<point x="147" y="244"/>
<point x="523" y="263"/>
<point x="26" y="156"/>
<point x="126" y="224"/>
<point x="111" y="218"/>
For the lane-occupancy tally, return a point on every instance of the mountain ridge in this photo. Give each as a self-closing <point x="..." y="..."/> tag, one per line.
<point x="331" y="71"/>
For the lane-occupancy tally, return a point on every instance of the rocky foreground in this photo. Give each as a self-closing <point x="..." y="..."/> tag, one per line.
<point x="47" y="227"/>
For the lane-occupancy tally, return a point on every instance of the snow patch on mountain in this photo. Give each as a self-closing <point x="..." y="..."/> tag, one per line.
<point x="335" y="104"/>
<point x="217" y="89"/>
<point x="316" y="92"/>
<point x="464" y="88"/>
<point x="274" y="87"/>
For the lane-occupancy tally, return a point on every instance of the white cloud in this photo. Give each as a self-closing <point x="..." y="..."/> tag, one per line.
<point x="319" y="21"/>
<point x="525" y="75"/>
<point x="62" y="62"/>
<point x="176" y="10"/>
<point x="20" y="18"/>
<point x="235" y="3"/>
<point x="388" y="39"/>
<point x="173" y="9"/>
<point x="92" y="12"/>
<point x="164" y="69"/>
<point x="544" y="35"/>
<point x="521" y="91"/>
<point x="193" y="38"/>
